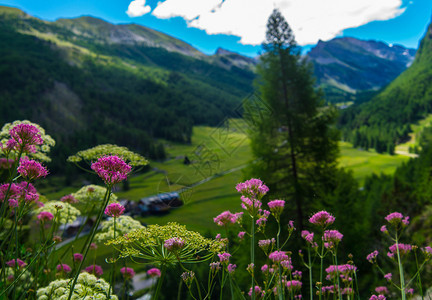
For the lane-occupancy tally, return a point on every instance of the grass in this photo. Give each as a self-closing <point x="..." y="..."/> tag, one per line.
<point x="417" y="129"/>
<point x="364" y="163"/>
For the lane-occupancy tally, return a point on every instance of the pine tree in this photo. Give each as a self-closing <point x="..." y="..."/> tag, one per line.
<point x="294" y="143"/>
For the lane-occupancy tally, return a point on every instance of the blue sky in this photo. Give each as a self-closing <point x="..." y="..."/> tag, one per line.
<point x="239" y="25"/>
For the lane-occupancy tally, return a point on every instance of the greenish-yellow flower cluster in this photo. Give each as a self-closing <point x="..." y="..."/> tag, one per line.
<point x="124" y="225"/>
<point x="148" y="244"/>
<point x="90" y="199"/>
<point x="66" y="213"/>
<point x="41" y="150"/>
<point x="87" y="287"/>
<point x="94" y="153"/>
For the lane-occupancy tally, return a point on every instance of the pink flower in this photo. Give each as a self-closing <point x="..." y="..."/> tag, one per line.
<point x="384" y="229"/>
<point x="154" y="272"/>
<point x="13" y="203"/>
<point x="264" y="268"/>
<point x="93" y="246"/>
<point x="254" y="188"/>
<point x="379" y="297"/>
<point x="396" y="218"/>
<point x="6" y="163"/>
<point x="427" y="251"/>
<point x="322" y="218"/>
<point x="286" y="264"/>
<point x="224" y="257"/>
<point x="388" y="276"/>
<point x="251" y="206"/>
<point x="297" y="275"/>
<point x="94" y="269"/>
<point x="227" y="218"/>
<point x="308" y="236"/>
<point x="112" y="169"/>
<point x="231" y="268"/>
<point x="21" y="264"/>
<point x="63" y="268"/>
<point x="403" y="248"/>
<point x="69" y="199"/>
<point x="31" y="197"/>
<point x="382" y="290"/>
<point x="128" y="273"/>
<point x="114" y="210"/>
<point x="257" y="291"/>
<point x="218" y="236"/>
<point x="241" y="234"/>
<point x="174" y="244"/>
<point x="294" y="285"/>
<point x="371" y="257"/>
<point x="26" y="137"/>
<point x="78" y="257"/>
<point x="31" y="169"/>
<point x="45" y="216"/>
<point x="409" y="291"/>
<point x="265" y="244"/>
<point x="332" y="238"/>
<point x="278" y="256"/>
<point x="276" y="207"/>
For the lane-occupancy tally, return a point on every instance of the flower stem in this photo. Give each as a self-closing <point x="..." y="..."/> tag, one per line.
<point x="252" y="246"/>
<point x="87" y="247"/>
<point x="159" y="284"/>
<point x="401" y="272"/>
<point x="310" y="274"/>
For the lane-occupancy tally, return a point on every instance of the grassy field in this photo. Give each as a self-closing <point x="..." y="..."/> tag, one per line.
<point x="414" y="135"/>
<point x="218" y="155"/>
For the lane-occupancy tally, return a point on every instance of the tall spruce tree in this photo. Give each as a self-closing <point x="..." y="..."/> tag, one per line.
<point x="294" y="142"/>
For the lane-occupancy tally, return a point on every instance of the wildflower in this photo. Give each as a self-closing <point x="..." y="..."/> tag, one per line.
<point x="294" y="285"/>
<point x="382" y="290"/>
<point x="6" y="163"/>
<point x="77" y="257"/>
<point x="26" y="137"/>
<point x="128" y="273"/>
<point x="388" y="276"/>
<point x="31" y="169"/>
<point x="403" y="248"/>
<point x="371" y="257"/>
<point x="57" y="239"/>
<point x="69" y="199"/>
<point x="31" y="197"/>
<point x="278" y="256"/>
<point x="64" y="212"/>
<point x="409" y="291"/>
<point x="215" y="266"/>
<point x="276" y="207"/>
<point x="93" y="246"/>
<point x="322" y="218"/>
<point x="114" y="210"/>
<point x="45" y="216"/>
<point x="257" y="291"/>
<point x="174" y="244"/>
<point x="308" y="236"/>
<point x="13" y="203"/>
<point x="397" y="218"/>
<point x="241" y="234"/>
<point x="254" y="188"/>
<point x="332" y="238"/>
<point x="427" y="251"/>
<point x="265" y="244"/>
<point x="227" y="218"/>
<point x="286" y="264"/>
<point x="251" y="206"/>
<point x="154" y="272"/>
<point x="112" y="169"/>
<point x="63" y="268"/>
<point x="224" y="257"/>
<point x="297" y="275"/>
<point x="188" y="277"/>
<point x="250" y="268"/>
<point x="21" y="264"/>
<point x="231" y="268"/>
<point x="379" y="297"/>
<point x="264" y="268"/>
<point x="291" y="226"/>
<point x="384" y="229"/>
<point x="94" y="269"/>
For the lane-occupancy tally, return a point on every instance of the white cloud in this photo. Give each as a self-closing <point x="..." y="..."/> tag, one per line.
<point x="310" y="20"/>
<point x="137" y="8"/>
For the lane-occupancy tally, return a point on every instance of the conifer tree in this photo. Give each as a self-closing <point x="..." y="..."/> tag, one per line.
<point x="294" y="143"/>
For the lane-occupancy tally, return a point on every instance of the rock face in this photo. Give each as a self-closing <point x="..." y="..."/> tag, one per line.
<point x="353" y="65"/>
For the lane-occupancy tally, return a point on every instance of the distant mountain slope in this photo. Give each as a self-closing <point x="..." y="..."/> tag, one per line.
<point x="344" y="66"/>
<point x="89" y="82"/>
<point x="385" y="120"/>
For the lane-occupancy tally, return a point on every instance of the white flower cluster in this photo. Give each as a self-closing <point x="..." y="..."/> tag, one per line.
<point x="124" y="224"/>
<point x="66" y="212"/>
<point x="90" y="199"/>
<point x="88" y="287"/>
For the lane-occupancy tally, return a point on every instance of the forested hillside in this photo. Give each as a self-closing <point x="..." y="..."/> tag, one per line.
<point x="87" y="91"/>
<point x="385" y="120"/>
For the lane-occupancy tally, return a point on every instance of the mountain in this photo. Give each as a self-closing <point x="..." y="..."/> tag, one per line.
<point x="90" y="82"/>
<point x="385" y="120"/>
<point x="228" y="59"/>
<point x="346" y="66"/>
